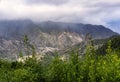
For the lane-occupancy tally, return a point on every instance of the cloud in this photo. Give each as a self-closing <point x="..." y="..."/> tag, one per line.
<point x="51" y="2"/>
<point x="84" y="11"/>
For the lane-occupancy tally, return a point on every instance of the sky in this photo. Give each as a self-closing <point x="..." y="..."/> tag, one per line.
<point x="99" y="12"/>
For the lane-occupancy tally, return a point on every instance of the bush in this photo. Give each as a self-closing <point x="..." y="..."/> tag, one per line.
<point x="88" y="68"/>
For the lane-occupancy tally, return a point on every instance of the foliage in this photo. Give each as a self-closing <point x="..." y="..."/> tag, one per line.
<point x="115" y="45"/>
<point x="88" y="68"/>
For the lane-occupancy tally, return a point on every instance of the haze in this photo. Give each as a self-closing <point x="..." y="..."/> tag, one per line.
<point x="100" y="12"/>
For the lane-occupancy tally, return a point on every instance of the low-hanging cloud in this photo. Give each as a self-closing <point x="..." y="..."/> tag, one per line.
<point x="84" y="11"/>
<point x="51" y="2"/>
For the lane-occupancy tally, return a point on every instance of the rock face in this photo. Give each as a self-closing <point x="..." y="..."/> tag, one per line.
<point x="9" y="48"/>
<point x="96" y="31"/>
<point x="46" y="36"/>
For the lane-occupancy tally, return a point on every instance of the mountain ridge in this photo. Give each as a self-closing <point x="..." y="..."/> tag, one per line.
<point x="44" y="35"/>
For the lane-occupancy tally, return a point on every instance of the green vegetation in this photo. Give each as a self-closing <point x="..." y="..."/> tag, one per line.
<point x="88" y="68"/>
<point x="115" y="45"/>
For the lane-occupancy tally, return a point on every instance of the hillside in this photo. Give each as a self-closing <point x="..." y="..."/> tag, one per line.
<point x="115" y="45"/>
<point x="46" y="36"/>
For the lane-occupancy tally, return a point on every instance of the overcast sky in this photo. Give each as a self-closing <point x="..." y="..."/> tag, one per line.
<point x="104" y="12"/>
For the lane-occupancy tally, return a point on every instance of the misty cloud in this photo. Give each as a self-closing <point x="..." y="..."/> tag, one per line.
<point x="51" y="2"/>
<point x="83" y="11"/>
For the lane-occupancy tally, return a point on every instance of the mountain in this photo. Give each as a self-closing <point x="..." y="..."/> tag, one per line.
<point x="10" y="48"/>
<point x="96" y="31"/>
<point x="15" y="28"/>
<point x="46" y="36"/>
